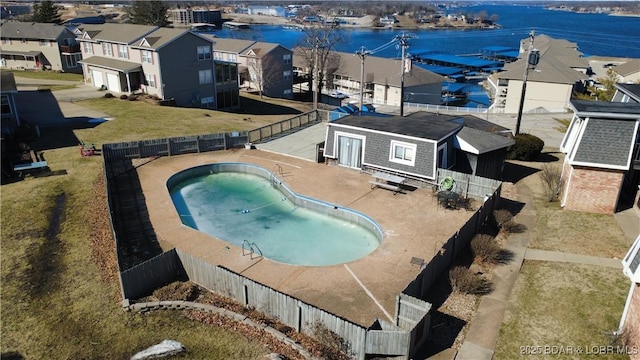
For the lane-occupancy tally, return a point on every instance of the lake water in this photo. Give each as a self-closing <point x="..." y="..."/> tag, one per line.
<point x="595" y="34"/>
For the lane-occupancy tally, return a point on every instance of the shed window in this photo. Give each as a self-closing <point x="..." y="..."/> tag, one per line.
<point x="403" y="153"/>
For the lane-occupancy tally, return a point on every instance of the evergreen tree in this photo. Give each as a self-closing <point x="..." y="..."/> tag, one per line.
<point x="46" y="12"/>
<point x="149" y="13"/>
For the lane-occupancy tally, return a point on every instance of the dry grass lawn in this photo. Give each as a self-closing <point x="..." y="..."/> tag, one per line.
<point x="54" y="303"/>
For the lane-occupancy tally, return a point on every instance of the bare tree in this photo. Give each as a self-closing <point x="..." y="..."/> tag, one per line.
<point x="316" y="47"/>
<point x="264" y="71"/>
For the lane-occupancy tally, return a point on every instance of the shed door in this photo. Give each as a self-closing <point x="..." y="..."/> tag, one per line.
<point x="113" y="81"/>
<point x="350" y="152"/>
<point x="97" y="78"/>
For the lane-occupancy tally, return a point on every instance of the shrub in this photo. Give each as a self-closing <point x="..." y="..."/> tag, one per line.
<point x="332" y="346"/>
<point x="123" y="97"/>
<point x="551" y="177"/>
<point x="485" y="248"/>
<point x="464" y="281"/>
<point x="109" y="95"/>
<point x="133" y="97"/>
<point x="527" y="147"/>
<point x="502" y="217"/>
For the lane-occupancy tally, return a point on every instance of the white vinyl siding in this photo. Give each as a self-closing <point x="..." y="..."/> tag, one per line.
<point x="403" y="153"/>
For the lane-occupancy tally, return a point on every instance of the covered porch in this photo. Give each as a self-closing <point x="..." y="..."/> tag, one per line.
<point x="22" y="60"/>
<point x="118" y="76"/>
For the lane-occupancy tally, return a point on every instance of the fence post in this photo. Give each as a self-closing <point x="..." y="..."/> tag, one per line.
<point x="168" y="147"/>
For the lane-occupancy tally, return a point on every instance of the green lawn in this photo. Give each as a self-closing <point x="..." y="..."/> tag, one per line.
<point x="47" y="75"/>
<point x="54" y="303"/>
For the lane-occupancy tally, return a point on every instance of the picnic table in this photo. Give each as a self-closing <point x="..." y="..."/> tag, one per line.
<point x="387" y="181"/>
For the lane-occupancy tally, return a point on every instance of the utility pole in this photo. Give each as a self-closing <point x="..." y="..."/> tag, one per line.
<point x="532" y="60"/>
<point x="402" y="38"/>
<point x="362" y="53"/>
<point x="314" y="83"/>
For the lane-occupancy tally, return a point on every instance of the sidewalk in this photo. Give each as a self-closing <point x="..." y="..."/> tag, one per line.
<point x="482" y="336"/>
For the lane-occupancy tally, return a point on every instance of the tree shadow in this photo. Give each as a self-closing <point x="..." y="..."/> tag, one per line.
<point x="11" y="355"/>
<point x="504" y="257"/>
<point x="444" y="330"/>
<point x="515" y="172"/>
<point x="547" y="157"/>
<point x="257" y="107"/>
<point x="514" y="207"/>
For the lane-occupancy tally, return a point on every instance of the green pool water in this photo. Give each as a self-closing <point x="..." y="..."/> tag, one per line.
<point x="235" y="207"/>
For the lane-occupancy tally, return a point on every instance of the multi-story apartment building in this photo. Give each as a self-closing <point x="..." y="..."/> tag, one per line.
<point x="267" y="67"/>
<point x="37" y="46"/>
<point x="190" y="16"/>
<point x="166" y="62"/>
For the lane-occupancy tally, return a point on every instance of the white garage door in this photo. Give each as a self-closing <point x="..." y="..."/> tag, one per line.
<point x="113" y="82"/>
<point x="97" y="78"/>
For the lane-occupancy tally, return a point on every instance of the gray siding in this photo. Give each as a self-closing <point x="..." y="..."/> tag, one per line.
<point x="606" y="141"/>
<point x="377" y="149"/>
<point x="179" y="66"/>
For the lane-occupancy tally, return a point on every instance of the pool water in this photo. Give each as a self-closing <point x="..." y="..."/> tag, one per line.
<point x="235" y="207"/>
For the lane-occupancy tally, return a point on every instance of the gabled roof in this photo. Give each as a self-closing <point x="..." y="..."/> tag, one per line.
<point x="260" y="49"/>
<point x="559" y="63"/>
<point x="629" y="68"/>
<point x="479" y="142"/>
<point x="116" y="33"/>
<point x="379" y="70"/>
<point x="420" y="125"/>
<point x="160" y="37"/>
<point x="30" y="30"/>
<point x="111" y="63"/>
<point x="631" y="90"/>
<point x="235" y="46"/>
<point x="606" y="134"/>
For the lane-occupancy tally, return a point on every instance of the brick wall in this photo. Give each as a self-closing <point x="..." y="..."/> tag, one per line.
<point x="631" y="324"/>
<point x="592" y="189"/>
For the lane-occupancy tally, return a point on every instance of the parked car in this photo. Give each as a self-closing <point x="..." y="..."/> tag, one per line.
<point x="338" y="94"/>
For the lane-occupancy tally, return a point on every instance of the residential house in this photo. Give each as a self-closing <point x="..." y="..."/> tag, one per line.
<point x="630" y="319"/>
<point x="628" y="93"/>
<point x="8" y="91"/>
<point x="560" y="72"/>
<point x="417" y="145"/>
<point x="38" y="46"/>
<point x="628" y="72"/>
<point x="602" y="156"/>
<point x="263" y="66"/>
<point x="172" y="64"/>
<point x="382" y="79"/>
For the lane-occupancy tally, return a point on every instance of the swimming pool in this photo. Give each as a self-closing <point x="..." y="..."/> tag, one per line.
<point x="246" y="204"/>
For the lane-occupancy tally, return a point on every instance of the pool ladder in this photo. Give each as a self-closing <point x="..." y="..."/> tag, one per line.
<point x="277" y="170"/>
<point x="250" y="249"/>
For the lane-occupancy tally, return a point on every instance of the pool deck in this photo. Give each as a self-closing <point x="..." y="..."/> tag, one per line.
<point x="360" y="291"/>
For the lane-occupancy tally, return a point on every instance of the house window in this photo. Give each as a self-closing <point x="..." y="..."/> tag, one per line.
<point x="207" y="102"/>
<point x="403" y="153"/>
<point x="205" y="76"/>
<point x="217" y="56"/>
<point x="106" y="49"/>
<point x="204" y="52"/>
<point x="147" y="56"/>
<point x="287" y="92"/>
<point x="6" y="41"/>
<point x="88" y="47"/>
<point x="286" y="75"/>
<point x="45" y="43"/>
<point x="150" y="80"/>
<point x="286" y="59"/>
<point x="123" y="52"/>
<point x="232" y="58"/>
<point x="72" y="60"/>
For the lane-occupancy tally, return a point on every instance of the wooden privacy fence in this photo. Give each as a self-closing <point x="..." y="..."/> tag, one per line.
<point x="208" y="142"/>
<point x="469" y="185"/>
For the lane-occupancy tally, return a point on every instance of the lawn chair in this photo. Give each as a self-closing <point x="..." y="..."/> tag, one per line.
<point x="87" y="149"/>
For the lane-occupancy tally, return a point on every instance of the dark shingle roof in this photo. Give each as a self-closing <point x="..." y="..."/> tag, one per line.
<point x="8" y="82"/>
<point x="421" y="124"/>
<point x="586" y="108"/>
<point x="606" y="142"/>
<point x="632" y="90"/>
<point x="30" y="30"/>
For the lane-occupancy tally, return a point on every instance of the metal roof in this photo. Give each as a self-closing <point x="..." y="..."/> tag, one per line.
<point x="462" y="61"/>
<point x="439" y="69"/>
<point x="479" y="142"/>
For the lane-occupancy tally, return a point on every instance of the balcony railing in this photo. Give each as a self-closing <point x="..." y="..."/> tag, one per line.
<point x="70" y="48"/>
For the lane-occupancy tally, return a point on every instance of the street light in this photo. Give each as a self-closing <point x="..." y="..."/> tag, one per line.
<point x="533" y="56"/>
